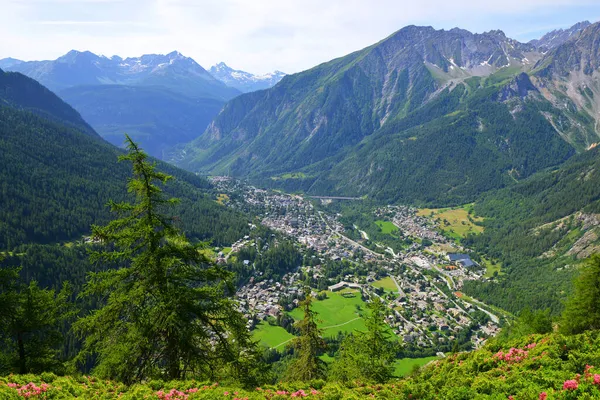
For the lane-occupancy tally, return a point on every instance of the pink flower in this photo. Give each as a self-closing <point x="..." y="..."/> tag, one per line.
<point x="543" y="396"/>
<point x="570" y="385"/>
<point x="226" y="394"/>
<point x="596" y="379"/>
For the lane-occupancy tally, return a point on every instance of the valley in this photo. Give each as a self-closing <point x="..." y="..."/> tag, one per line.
<point x="419" y="282"/>
<point x="417" y="218"/>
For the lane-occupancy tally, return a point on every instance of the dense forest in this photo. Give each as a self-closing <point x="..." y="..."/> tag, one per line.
<point x="531" y="227"/>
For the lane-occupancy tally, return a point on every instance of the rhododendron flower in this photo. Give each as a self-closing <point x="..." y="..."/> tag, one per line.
<point x="543" y="396"/>
<point x="596" y="379"/>
<point x="570" y="385"/>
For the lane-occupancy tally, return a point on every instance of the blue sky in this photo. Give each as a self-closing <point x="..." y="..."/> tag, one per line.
<point x="259" y="35"/>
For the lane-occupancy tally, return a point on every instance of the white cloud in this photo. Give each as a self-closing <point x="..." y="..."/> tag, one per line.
<point x="257" y="35"/>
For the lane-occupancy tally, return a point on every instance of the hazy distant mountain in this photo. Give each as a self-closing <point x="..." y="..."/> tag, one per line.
<point x="6" y="63"/>
<point x="245" y="81"/>
<point x="174" y="71"/>
<point x="159" y="100"/>
<point x="557" y="37"/>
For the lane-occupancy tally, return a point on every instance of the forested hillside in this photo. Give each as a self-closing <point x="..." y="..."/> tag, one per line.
<point x="57" y="175"/>
<point x="540" y="229"/>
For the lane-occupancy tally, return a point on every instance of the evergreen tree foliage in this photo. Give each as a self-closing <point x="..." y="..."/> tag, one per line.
<point x="168" y="312"/>
<point x="308" y="346"/>
<point x="30" y="322"/>
<point x="582" y="311"/>
<point x="367" y="356"/>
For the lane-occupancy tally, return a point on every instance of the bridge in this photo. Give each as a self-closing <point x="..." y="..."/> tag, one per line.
<point x="335" y="198"/>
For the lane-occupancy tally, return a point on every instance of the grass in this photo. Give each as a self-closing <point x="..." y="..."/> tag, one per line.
<point x="290" y="175"/>
<point x="226" y="250"/>
<point x="271" y="336"/>
<point x="454" y="222"/>
<point x="491" y="267"/>
<point x="337" y="313"/>
<point x="222" y="198"/>
<point x="387" y="227"/>
<point x="386" y="283"/>
<point x="405" y="366"/>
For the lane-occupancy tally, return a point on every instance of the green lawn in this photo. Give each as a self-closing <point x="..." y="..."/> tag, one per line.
<point x="387" y="227"/>
<point x="271" y="336"/>
<point x="337" y="313"/>
<point x="404" y="366"/>
<point x="491" y="267"/>
<point x="454" y="221"/>
<point x="386" y="283"/>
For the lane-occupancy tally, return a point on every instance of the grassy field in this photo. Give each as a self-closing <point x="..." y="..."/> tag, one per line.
<point x="290" y="175"/>
<point x="222" y="198"/>
<point x="387" y="227"/>
<point x="386" y="283"/>
<point x="271" y="336"/>
<point x="337" y="313"/>
<point x="454" y="221"/>
<point x="404" y="366"/>
<point x="491" y="267"/>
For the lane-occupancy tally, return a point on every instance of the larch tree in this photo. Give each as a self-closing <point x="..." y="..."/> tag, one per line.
<point x="582" y="310"/>
<point x="308" y="346"/>
<point x="167" y="309"/>
<point x="30" y="324"/>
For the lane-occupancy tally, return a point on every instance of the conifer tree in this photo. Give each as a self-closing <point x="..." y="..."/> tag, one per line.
<point x="167" y="309"/>
<point x="308" y="346"/>
<point x="582" y="311"/>
<point x="30" y="324"/>
<point x="367" y="356"/>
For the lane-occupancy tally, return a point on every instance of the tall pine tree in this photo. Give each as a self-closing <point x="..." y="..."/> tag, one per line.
<point x="582" y="311"/>
<point x="30" y="325"/>
<point x="308" y="346"/>
<point x="167" y="309"/>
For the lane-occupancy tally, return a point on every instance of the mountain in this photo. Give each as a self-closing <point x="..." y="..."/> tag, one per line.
<point x="23" y="93"/>
<point x="160" y="100"/>
<point x="9" y="62"/>
<point x="157" y="117"/>
<point x="244" y="81"/>
<point x="557" y="37"/>
<point x="407" y="119"/>
<point x="56" y="176"/>
<point x="174" y="71"/>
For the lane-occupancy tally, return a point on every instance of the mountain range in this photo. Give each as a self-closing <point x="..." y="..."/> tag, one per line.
<point x="244" y="81"/>
<point x="159" y="100"/>
<point x="57" y="174"/>
<point x="412" y="118"/>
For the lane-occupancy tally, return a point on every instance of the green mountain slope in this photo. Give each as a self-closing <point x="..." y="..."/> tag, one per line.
<point x="55" y="180"/>
<point x="24" y="93"/>
<point x="540" y="229"/>
<point x="423" y="116"/>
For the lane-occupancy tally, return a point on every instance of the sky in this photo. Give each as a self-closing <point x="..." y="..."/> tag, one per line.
<point x="259" y="36"/>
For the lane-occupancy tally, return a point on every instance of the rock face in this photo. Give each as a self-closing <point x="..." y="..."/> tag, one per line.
<point x="245" y="81"/>
<point x="557" y="37"/>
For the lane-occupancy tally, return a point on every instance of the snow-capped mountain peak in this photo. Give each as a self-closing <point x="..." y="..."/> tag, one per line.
<point x="245" y="81"/>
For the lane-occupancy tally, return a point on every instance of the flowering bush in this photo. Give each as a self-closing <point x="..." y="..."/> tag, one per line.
<point x="531" y="368"/>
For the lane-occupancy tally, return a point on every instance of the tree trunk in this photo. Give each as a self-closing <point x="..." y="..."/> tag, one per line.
<point x="22" y="360"/>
